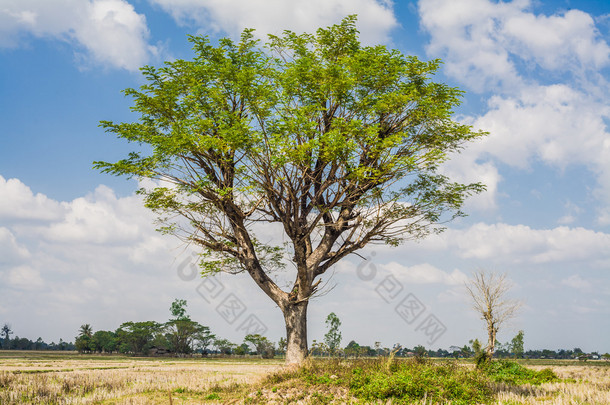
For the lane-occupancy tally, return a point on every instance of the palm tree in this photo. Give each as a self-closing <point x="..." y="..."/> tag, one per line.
<point x="6" y="331"/>
<point x="86" y="330"/>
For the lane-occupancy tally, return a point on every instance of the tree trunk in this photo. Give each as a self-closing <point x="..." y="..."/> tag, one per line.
<point x="295" y="316"/>
<point x="491" y="343"/>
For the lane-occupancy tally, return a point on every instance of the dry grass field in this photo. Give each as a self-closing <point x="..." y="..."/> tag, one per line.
<point x="584" y="383"/>
<point x="69" y="378"/>
<point x="60" y="378"/>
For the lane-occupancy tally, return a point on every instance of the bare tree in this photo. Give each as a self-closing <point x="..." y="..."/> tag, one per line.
<point x="488" y="291"/>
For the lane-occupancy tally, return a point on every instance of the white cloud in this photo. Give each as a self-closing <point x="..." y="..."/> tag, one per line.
<point x="522" y="244"/>
<point x="110" y="31"/>
<point x="575" y="281"/>
<point x="96" y="258"/>
<point x="556" y="124"/>
<point x="424" y="273"/>
<point x="557" y="42"/>
<point x="505" y="48"/>
<point x="24" y="277"/>
<point x="100" y="218"/>
<point x="480" y="41"/>
<point x="570" y="217"/>
<point x="375" y="18"/>
<point x="106" y="272"/>
<point x="19" y="203"/>
<point x="466" y="168"/>
<point x="10" y="250"/>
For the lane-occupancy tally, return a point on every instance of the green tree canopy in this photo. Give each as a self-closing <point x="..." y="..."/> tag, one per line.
<point x="137" y="337"/>
<point x="516" y="344"/>
<point x="182" y="333"/>
<point x="262" y="345"/>
<point x="337" y="144"/>
<point x="332" y="338"/>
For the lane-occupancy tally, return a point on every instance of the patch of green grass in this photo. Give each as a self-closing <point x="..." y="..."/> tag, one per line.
<point x="409" y="381"/>
<point x="403" y="381"/>
<point x="510" y="372"/>
<point x="319" y="398"/>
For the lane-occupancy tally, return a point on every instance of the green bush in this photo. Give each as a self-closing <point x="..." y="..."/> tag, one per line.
<point x="416" y="380"/>
<point x="510" y="372"/>
<point x="481" y="359"/>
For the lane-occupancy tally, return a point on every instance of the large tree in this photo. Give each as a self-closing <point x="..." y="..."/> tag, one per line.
<point x="337" y="144"/>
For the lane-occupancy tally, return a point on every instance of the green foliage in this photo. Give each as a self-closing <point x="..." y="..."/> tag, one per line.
<point x="482" y="359"/>
<point x="281" y="345"/>
<point x="178" y="310"/>
<point x="412" y="381"/>
<point x="224" y="346"/>
<point x="352" y="349"/>
<point x="336" y="126"/>
<point x="405" y="382"/>
<point x="182" y="333"/>
<point x="212" y="396"/>
<point x="476" y="346"/>
<point x="138" y="337"/>
<point x="332" y="338"/>
<point x="513" y="373"/>
<point x="263" y="346"/>
<point x="415" y="381"/>
<point x="6" y="331"/>
<point x="420" y="352"/>
<point x="516" y="344"/>
<point x="242" y="349"/>
<point x="103" y="341"/>
<point x="83" y="344"/>
<point x="337" y="143"/>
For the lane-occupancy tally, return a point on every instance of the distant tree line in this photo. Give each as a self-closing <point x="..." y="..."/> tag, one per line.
<point x="512" y="349"/>
<point x="180" y="335"/>
<point x="18" y="343"/>
<point x="183" y="336"/>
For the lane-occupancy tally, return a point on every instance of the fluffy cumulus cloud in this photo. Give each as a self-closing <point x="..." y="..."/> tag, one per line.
<point x="522" y="244"/>
<point x="483" y="41"/>
<point x="98" y="253"/>
<point x="19" y="203"/>
<point x="549" y="101"/>
<point x="10" y="250"/>
<point x="556" y="124"/>
<point x="99" y="218"/>
<point x="375" y="17"/>
<point x="108" y="32"/>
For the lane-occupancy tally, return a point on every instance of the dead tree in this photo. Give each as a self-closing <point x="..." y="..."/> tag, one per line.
<point x="488" y="291"/>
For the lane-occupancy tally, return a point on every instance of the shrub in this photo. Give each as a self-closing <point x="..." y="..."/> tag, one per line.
<point x="510" y="372"/>
<point x="416" y="380"/>
<point x="481" y="359"/>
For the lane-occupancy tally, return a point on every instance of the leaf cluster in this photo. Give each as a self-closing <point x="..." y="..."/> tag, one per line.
<point x="338" y="144"/>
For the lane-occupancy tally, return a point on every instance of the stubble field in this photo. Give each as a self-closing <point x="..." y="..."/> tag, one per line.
<point x="60" y="378"/>
<point x="69" y="378"/>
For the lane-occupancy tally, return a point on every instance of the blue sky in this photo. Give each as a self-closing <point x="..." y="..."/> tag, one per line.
<point x="77" y="247"/>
